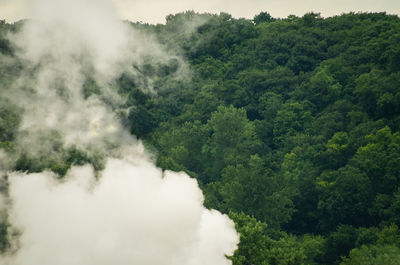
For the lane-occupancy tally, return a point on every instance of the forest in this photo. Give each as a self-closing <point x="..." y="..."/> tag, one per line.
<point x="291" y="126"/>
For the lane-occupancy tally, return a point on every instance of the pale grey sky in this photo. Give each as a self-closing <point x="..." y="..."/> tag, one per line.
<point x="155" y="11"/>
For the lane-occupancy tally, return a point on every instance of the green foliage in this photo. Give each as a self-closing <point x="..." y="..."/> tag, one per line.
<point x="232" y="140"/>
<point x="291" y="119"/>
<point x="385" y="249"/>
<point x="346" y="197"/>
<point x="5" y="45"/>
<point x="255" y="190"/>
<point x="390" y="235"/>
<point x="339" y="243"/>
<point x="184" y="145"/>
<point x="54" y="157"/>
<point x="256" y="247"/>
<point x="9" y="122"/>
<point x="4" y="244"/>
<point x="379" y="159"/>
<point x="262" y="17"/>
<point x="387" y="207"/>
<point x="291" y="123"/>
<point x="373" y="255"/>
<point x="253" y="240"/>
<point x="338" y="149"/>
<point x="324" y="89"/>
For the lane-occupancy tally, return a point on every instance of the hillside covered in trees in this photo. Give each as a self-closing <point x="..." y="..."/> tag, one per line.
<point x="291" y="127"/>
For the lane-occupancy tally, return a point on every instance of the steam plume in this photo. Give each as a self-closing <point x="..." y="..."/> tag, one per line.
<point x="128" y="213"/>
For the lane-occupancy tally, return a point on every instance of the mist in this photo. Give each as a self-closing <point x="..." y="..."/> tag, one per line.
<point x="134" y="214"/>
<point x="126" y="211"/>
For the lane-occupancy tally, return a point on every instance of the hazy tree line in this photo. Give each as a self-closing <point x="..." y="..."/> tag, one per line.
<point x="291" y="126"/>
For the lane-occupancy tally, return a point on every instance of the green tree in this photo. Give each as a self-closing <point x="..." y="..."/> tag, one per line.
<point x="233" y="139"/>
<point x="252" y="188"/>
<point x="345" y="198"/>
<point x="379" y="160"/>
<point x="324" y="89"/>
<point x="9" y="123"/>
<point x="262" y="17"/>
<point x="291" y="119"/>
<point x="373" y="255"/>
<point x="339" y="244"/>
<point x="256" y="247"/>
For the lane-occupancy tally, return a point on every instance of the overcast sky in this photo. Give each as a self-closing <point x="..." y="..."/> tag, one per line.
<point x="154" y="11"/>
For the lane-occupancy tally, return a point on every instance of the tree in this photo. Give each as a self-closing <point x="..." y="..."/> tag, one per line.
<point x="10" y="120"/>
<point x="183" y="145"/>
<point x="256" y="247"/>
<point x="233" y="138"/>
<point x="379" y="160"/>
<point x="254" y="241"/>
<point x="373" y="255"/>
<point x="324" y="89"/>
<point x="262" y="17"/>
<point x="253" y="189"/>
<point x="292" y="118"/>
<point x="345" y="198"/>
<point x="339" y="244"/>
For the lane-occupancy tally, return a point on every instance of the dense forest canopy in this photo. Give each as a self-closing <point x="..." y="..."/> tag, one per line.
<point x="291" y="126"/>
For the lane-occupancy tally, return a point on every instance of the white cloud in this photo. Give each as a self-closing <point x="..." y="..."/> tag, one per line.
<point x="132" y="215"/>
